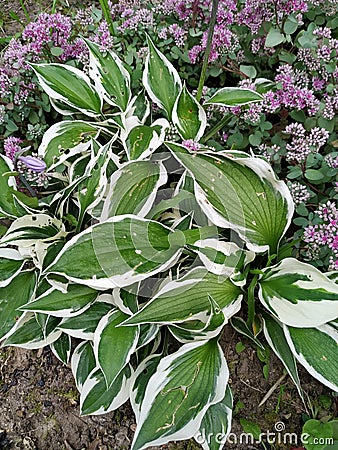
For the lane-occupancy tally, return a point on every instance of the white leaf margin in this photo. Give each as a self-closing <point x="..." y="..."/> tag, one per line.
<point x="326" y="329"/>
<point x="158" y="381"/>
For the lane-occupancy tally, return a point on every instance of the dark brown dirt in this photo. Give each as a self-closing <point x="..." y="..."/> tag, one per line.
<point x="39" y="404"/>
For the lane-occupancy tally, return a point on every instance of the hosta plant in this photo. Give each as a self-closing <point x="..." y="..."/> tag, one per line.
<point x="146" y="244"/>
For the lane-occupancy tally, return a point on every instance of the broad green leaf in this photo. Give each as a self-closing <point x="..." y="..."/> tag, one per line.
<point x="274" y="38"/>
<point x="240" y="192"/>
<point x="30" y="334"/>
<point x="96" y="398"/>
<point x="317" y="350"/>
<point x="26" y="231"/>
<point x="82" y="363"/>
<point x="62" y="348"/>
<point x="318" y="434"/>
<point x="126" y="300"/>
<point x="114" y="345"/>
<point x="133" y="189"/>
<point x="12" y="296"/>
<point x="216" y="424"/>
<point x="111" y="79"/>
<point x="92" y="189"/>
<point x="195" y="288"/>
<point x="274" y="334"/>
<point x="161" y="79"/>
<point x="233" y="96"/>
<point x="70" y="85"/>
<point x="140" y="141"/>
<point x="140" y="379"/>
<point x="298" y="294"/>
<point x="63" y="304"/>
<point x="84" y="325"/>
<point x="65" y="139"/>
<point x="7" y="183"/>
<point x="193" y="331"/>
<point x="122" y="251"/>
<point x="11" y="263"/>
<point x="184" y="386"/>
<point x="189" y="116"/>
<point x="222" y="258"/>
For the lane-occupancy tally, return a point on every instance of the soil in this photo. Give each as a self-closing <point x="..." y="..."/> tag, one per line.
<point x="39" y="403"/>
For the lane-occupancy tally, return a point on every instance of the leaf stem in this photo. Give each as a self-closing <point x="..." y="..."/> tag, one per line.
<point x="216" y="128"/>
<point x="207" y="49"/>
<point x="107" y="15"/>
<point x="251" y="302"/>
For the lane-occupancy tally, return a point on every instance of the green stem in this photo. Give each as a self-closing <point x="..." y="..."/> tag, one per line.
<point x="107" y="16"/>
<point x="251" y="302"/>
<point x="24" y="9"/>
<point x="216" y="128"/>
<point x="207" y="49"/>
<point x="54" y="6"/>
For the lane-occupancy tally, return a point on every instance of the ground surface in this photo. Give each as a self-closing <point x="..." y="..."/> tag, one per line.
<point x="39" y="404"/>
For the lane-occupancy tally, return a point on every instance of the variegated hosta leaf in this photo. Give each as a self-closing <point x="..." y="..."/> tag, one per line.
<point x="114" y="345"/>
<point x="65" y="139"/>
<point x="140" y="141"/>
<point x="11" y="263"/>
<point x="96" y="398"/>
<point x="7" y="183"/>
<point x="92" y="189"/>
<point x="26" y="231"/>
<point x="69" y="85"/>
<point x="30" y="334"/>
<point x="195" y="288"/>
<point x="216" y="424"/>
<point x="111" y="79"/>
<point x="198" y="331"/>
<point x="161" y="79"/>
<point x="122" y="251"/>
<point x="317" y="350"/>
<point x="222" y="258"/>
<point x="63" y="304"/>
<point x="62" y="348"/>
<point x="84" y="325"/>
<point x="298" y="294"/>
<point x="189" y="116"/>
<point x="126" y="300"/>
<point x="184" y="386"/>
<point x="18" y="292"/>
<point x="234" y="96"/>
<point x="133" y="189"/>
<point x="140" y="379"/>
<point x="82" y="363"/>
<point x="274" y="334"/>
<point x="241" y="193"/>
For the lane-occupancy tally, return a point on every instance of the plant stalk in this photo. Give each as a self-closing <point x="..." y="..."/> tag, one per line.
<point x="207" y="49"/>
<point x="107" y="16"/>
<point x="251" y="302"/>
<point x="216" y="128"/>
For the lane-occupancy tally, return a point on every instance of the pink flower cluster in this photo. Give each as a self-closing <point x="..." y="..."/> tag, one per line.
<point x="12" y="147"/>
<point x="303" y="143"/>
<point x="324" y="234"/>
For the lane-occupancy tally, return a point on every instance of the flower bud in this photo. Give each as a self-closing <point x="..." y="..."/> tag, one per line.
<point x="33" y="163"/>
